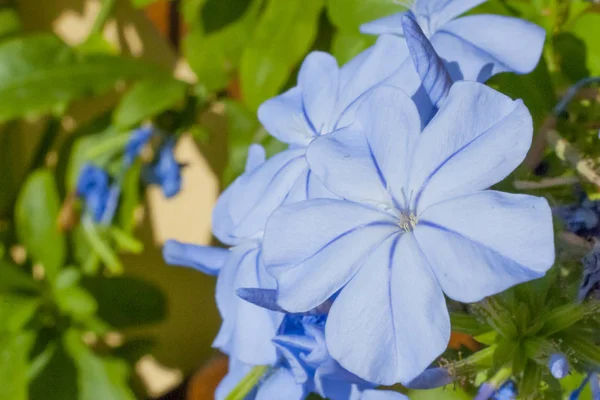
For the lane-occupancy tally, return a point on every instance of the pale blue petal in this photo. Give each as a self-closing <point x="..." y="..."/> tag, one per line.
<point x="391" y="124"/>
<point x="392" y="24"/>
<point x="260" y="192"/>
<point x="319" y="79"/>
<point x="256" y="157"/>
<point x="476" y="139"/>
<point x="558" y="365"/>
<point x="376" y="329"/>
<point x="284" y="118"/>
<point x="481" y="244"/>
<point x="434" y="77"/>
<point x="237" y="371"/>
<point x="242" y="319"/>
<point x="380" y="63"/>
<point x="484" y="45"/>
<point x="280" y="385"/>
<point x="308" y="186"/>
<point x="222" y="222"/>
<point x="431" y="378"/>
<point x="343" y="162"/>
<point x="442" y="11"/>
<point x="373" y="394"/>
<point x="207" y="259"/>
<point x="314" y="247"/>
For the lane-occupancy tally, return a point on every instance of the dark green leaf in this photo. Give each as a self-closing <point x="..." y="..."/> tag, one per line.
<point x="348" y="15"/>
<point x="13" y="277"/>
<point x="216" y="14"/>
<point x="445" y="393"/>
<point x="562" y="318"/>
<point x="215" y="57"/>
<point x="40" y="73"/>
<point x="242" y="125"/>
<point x="10" y="23"/>
<point x="97" y="378"/>
<point x="531" y="380"/>
<point x="36" y="214"/>
<point x="134" y="349"/>
<point x="125" y="302"/>
<point x="14" y="351"/>
<point x="16" y="311"/>
<point x="76" y="302"/>
<point x="281" y="39"/>
<point x="468" y="324"/>
<point x="571" y="53"/>
<point x="58" y="378"/>
<point x="147" y="99"/>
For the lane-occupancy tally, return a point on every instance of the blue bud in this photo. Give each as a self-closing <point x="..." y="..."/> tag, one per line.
<point x="138" y="139"/>
<point x="558" y="365"/>
<point x="93" y="188"/>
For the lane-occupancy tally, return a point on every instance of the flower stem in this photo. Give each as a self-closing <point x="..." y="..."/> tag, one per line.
<point x="103" y="15"/>
<point x="245" y="386"/>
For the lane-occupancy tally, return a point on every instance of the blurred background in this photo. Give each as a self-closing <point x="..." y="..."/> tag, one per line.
<point x="89" y="311"/>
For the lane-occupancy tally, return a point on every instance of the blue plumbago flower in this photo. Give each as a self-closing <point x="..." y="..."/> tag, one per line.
<point x="305" y="367"/>
<point x="558" y="365"/>
<point x="247" y="329"/>
<point x="590" y="283"/>
<point x="325" y="99"/>
<point x="475" y="47"/>
<point x="594" y="381"/>
<point x="506" y="391"/>
<point x="166" y="172"/>
<point x="138" y="139"/>
<point x="415" y="223"/>
<point x="582" y="218"/>
<point x="93" y="188"/>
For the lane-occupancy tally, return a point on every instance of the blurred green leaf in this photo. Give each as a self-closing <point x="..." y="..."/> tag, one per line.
<point x="9" y="22"/>
<point x="587" y="29"/>
<point x="348" y="15"/>
<point x="39" y="73"/>
<point x="16" y="311"/>
<point x="241" y="128"/>
<point x="147" y="99"/>
<point x="36" y="214"/>
<point x="57" y="380"/>
<point x="13" y="277"/>
<point x="216" y="14"/>
<point x="125" y="302"/>
<point x="571" y="53"/>
<point x="142" y="3"/>
<point x="346" y="46"/>
<point x="76" y="302"/>
<point x="214" y="57"/>
<point x="190" y="9"/>
<point x="14" y="351"/>
<point x="468" y="324"/>
<point x="281" y="39"/>
<point x="134" y="349"/>
<point x="97" y="378"/>
<point x="96" y="43"/>
<point x="130" y="197"/>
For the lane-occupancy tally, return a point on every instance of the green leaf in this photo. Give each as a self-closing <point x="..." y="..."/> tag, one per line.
<point x="346" y="46"/>
<point x="443" y="393"/>
<point x="282" y="37"/>
<point x="39" y="73"/>
<point x="14" y="352"/>
<point x="97" y="378"/>
<point x="75" y="302"/>
<point x="561" y="318"/>
<point x="36" y="214"/>
<point x="214" y="57"/>
<point x="57" y="380"/>
<point x="468" y="324"/>
<point x="587" y="29"/>
<point x="571" y="53"/>
<point x="130" y="197"/>
<point x="142" y="3"/>
<point x="242" y="125"/>
<point x="10" y="23"/>
<point x="125" y="302"/>
<point x="216" y="14"/>
<point x="348" y="15"/>
<point x="147" y="99"/>
<point x="531" y="380"/>
<point x="13" y="277"/>
<point x="16" y="311"/>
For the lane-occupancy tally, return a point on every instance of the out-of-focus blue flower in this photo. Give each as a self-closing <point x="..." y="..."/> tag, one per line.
<point x="247" y="329"/>
<point x="166" y="172"/>
<point x="507" y="391"/>
<point x="416" y="223"/>
<point x="475" y="47"/>
<point x="594" y="381"/>
<point x="138" y="139"/>
<point x="582" y="218"/>
<point x="93" y="188"/>
<point x="590" y="282"/>
<point x="558" y="365"/>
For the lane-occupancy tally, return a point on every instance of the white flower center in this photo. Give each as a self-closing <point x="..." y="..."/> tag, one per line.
<point x="407" y="221"/>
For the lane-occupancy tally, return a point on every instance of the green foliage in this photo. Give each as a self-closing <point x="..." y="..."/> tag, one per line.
<point x="14" y="350"/>
<point x="36" y="213"/>
<point x="282" y="36"/>
<point x="39" y="74"/>
<point x="348" y="15"/>
<point x="587" y="29"/>
<point x="147" y="99"/>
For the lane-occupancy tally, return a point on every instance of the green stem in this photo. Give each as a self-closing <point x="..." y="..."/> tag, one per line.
<point x="108" y="146"/>
<point x="245" y="386"/>
<point x="104" y="251"/>
<point x="103" y="15"/>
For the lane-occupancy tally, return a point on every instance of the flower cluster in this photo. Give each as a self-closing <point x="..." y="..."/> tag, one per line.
<point x="344" y="246"/>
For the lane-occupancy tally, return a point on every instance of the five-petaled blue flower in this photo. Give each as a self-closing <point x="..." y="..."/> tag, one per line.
<point x="415" y="223"/>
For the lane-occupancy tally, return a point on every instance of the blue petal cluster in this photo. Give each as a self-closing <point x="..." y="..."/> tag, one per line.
<point x="93" y="187"/>
<point x="343" y="247"/>
<point x="166" y="171"/>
